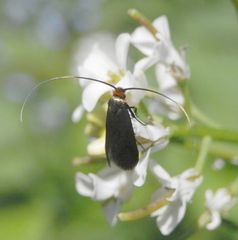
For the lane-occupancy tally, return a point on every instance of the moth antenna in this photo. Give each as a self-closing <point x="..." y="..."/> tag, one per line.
<point x="54" y="79"/>
<point x="165" y="96"/>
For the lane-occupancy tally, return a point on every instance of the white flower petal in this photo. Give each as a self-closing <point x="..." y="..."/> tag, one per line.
<point x="164" y="77"/>
<point x="119" y="186"/>
<point x="162" y="26"/>
<point x="92" y="93"/>
<point x="77" y="114"/>
<point x="160" y="173"/>
<point x="170" y="216"/>
<point x="149" y="132"/>
<point x="120" y="180"/>
<point x="97" y="64"/>
<point x="141" y="169"/>
<point x="174" y="58"/>
<point x="86" y="73"/>
<point x="152" y="136"/>
<point x="128" y="81"/>
<point x="143" y="40"/>
<point x="145" y="63"/>
<point x="111" y="209"/>
<point x="185" y="187"/>
<point x="177" y="96"/>
<point x="222" y="198"/>
<point x="189" y="173"/>
<point x="158" y="195"/>
<point x="88" y="52"/>
<point x="122" y="46"/>
<point x="234" y="161"/>
<point x="109" y="173"/>
<point x="209" y="196"/>
<point x="218" y="201"/>
<point x="168" y="85"/>
<point x="148" y="44"/>
<point x="163" y="48"/>
<point x="111" y="182"/>
<point x="84" y="184"/>
<point x="218" y="164"/>
<point x="215" y="221"/>
<point x="102" y="189"/>
<point x="159" y="145"/>
<point x="97" y="147"/>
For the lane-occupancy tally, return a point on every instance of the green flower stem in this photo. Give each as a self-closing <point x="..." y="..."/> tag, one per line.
<point x="235" y="2"/>
<point x="184" y="87"/>
<point x="204" y="150"/>
<point x="233" y="188"/>
<point x="224" y="142"/>
<point x="231" y="225"/>
<point x="143" y="212"/>
<point x="202" y="118"/>
<point x="79" y="161"/>
<point x="223" y="150"/>
<point x="202" y="131"/>
<point x="216" y="149"/>
<point x="141" y="19"/>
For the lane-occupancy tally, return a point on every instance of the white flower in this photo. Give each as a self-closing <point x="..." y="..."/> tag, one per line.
<point x="113" y="186"/>
<point x="101" y="66"/>
<point x="160" y="45"/>
<point x="218" y="164"/>
<point x="234" y="161"/>
<point x="169" y="86"/>
<point x="217" y="203"/>
<point x="149" y="135"/>
<point x="171" y="64"/>
<point x="184" y="186"/>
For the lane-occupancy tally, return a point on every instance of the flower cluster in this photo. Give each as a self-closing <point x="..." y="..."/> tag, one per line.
<point x="113" y="186"/>
<point x="217" y="206"/>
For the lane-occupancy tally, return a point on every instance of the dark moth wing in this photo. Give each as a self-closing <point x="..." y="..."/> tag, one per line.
<point x="120" y="139"/>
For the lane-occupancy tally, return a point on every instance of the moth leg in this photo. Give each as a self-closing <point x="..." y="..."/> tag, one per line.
<point x="133" y="114"/>
<point x="141" y="145"/>
<point x="134" y="109"/>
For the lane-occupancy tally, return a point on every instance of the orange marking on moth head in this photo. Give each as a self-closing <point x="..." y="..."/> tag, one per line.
<point x="119" y="92"/>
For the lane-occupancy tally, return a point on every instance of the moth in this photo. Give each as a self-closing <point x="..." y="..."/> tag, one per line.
<point x="120" y="144"/>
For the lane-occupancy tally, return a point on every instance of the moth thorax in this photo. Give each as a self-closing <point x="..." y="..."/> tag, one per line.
<point x="119" y="93"/>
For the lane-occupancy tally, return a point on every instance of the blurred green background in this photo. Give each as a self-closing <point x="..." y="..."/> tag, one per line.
<point x="38" y="38"/>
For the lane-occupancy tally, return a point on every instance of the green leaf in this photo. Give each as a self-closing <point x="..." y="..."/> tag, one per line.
<point x="235" y="2"/>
